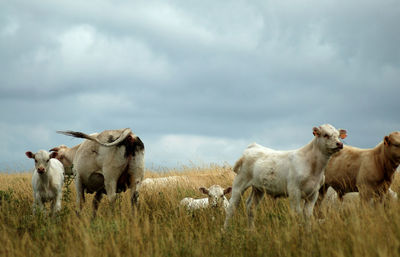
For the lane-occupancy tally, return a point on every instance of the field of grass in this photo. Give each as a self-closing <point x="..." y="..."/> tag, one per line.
<point x="161" y="228"/>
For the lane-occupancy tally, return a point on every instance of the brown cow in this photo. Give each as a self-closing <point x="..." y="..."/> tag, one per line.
<point x="368" y="171"/>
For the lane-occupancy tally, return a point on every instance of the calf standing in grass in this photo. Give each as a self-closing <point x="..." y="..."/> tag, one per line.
<point x="216" y="198"/>
<point x="297" y="174"/>
<point x="47" y="180"/>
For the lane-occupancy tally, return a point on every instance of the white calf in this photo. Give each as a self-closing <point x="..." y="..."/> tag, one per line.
<point x="216" y="198"/>
<point x="297" y="174"/>
<point x="153" y="183"/>
<point x="47" y="180"/>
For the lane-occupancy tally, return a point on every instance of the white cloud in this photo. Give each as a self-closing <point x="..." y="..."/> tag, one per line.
<point x="85" y="50"/>
<point x="10" y="28"/>
<point x="174" y="150"/>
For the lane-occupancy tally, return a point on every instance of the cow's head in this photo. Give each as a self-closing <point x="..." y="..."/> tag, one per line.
<point x="216" y="194"/>
<point x="42" y="159"/>
<point x="328" y="138"/>
<point x="392" y="146"/>
<point x="60" y="153"/>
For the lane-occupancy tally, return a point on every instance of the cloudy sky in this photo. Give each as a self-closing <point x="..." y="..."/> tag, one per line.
<point x="196" y="80"/>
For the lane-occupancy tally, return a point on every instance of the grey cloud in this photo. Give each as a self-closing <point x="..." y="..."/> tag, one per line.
<point x="206" y="72"/>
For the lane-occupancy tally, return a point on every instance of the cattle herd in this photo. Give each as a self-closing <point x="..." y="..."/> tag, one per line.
<point x="112" y="161"/>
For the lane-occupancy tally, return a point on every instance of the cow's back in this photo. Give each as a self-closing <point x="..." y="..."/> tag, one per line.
<point x="268" y="168"/>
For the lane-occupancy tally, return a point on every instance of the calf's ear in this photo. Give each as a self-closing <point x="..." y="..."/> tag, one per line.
<point x="227" y="190"/>
<point x="316" y="131"/>
<point x="204" y="190"/>
<point x="30" y="154"/>
<point x="55" y="149"/>
<point x="342" y="133"/>
<point x="53" y="154"/>
<point x="386" y="141"/>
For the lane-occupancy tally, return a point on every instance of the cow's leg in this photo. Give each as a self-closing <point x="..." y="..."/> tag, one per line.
<point x="294" y="198"/>
<point x="96" y="201"/>
<point x="321" y="195"/>
<point x="56" y="203"/>
<point x="240" y="184"/>
<point x="135" y="194"/>
<point x="37" y="204"/>
<point x="110" y="183"/>
<point x="80" y="197"/>
<point x="136" y="173"/>
<point x="309" y="205"/>
<point x="252" y="203"/>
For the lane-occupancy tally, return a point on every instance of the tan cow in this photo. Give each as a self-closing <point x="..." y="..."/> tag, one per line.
<point x="66" y="156"/>
<point x="368" y="171"/>
<point x="106" y="163"/>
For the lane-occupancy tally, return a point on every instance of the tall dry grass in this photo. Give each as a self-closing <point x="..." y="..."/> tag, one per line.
<point x="161" y="228"/>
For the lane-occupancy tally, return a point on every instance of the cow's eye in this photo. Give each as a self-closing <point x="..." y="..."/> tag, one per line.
<point x="35" y="161"/>
<point x="326" y="136"/>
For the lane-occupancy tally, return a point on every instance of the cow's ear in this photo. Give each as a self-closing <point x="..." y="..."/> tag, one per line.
<point x="342" y="133"/>
<point x="30" y="155"/>
<point x="54" y="149"/>
<point x="316" y="131"/>
<point x="204" y="190"/>
<point x="227" y="190"/>
<point x="386" y="141"/>
<point x="53" y="154"/>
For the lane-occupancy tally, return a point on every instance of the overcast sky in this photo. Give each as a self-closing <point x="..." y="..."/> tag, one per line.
<point x="196" y="80"/>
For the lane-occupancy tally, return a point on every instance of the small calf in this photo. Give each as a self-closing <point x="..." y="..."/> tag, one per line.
<point x="216" y="198"/>
<point x="47" y="180"/>
<point x="171" y="181"/>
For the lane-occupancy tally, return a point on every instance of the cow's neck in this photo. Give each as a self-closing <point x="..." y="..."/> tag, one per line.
<point x="315" y="157"/>
<point x="385" y="161"/>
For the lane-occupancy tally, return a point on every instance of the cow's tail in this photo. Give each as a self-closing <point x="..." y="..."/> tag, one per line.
<point x="126" y="132"/>
<point x="238" y="165"/>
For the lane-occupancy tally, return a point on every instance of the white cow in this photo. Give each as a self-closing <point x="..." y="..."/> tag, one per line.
<point x="107" y="163"/>
<point x="216" y="198"/>
<point x="297" y="174"/>
<point x="47" y="180"/>
<point x="153" y="183"/>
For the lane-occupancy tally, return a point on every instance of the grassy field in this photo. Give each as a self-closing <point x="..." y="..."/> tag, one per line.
<point x="161" y="228"/>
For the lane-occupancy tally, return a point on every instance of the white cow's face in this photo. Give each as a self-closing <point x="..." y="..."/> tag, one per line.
<point x="42" y="159"/>
<point x="328" y="138"/>
<point x="216" y="195"/>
